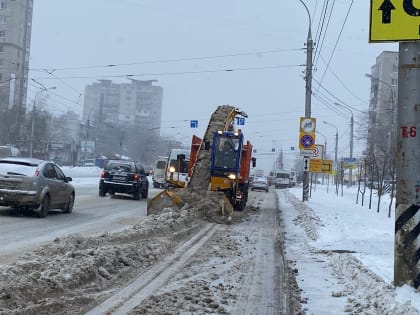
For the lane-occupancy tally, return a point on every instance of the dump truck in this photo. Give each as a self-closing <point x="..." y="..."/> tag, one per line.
<point x="220" y="161"/>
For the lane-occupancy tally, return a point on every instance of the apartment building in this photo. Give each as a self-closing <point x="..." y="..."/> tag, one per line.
<point x="124" y="118"/>
<point x="383" y="102"/>
<point x="15" y="40"/>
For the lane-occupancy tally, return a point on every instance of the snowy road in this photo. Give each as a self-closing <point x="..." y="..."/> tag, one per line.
<point x="91" y="215"/>
<point x="161" y="265"/>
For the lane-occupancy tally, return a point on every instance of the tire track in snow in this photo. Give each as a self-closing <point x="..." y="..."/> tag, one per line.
<point x="146" y="284"/>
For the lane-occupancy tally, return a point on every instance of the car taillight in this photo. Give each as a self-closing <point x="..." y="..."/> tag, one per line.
<point x="136" y="176"/>
<point x="36" y="172"/>
<point x="102" y="174"/>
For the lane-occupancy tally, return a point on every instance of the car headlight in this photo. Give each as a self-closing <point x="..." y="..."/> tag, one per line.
<point x="232" y="176"/>
<point x="172" y="169"/>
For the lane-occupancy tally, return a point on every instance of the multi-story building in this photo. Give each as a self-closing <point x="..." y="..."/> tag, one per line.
<point x="15" y="39"/>
<point x="383" y="103"/>
<point x="123" y="118"/>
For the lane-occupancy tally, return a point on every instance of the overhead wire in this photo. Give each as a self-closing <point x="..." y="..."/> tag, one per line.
<point x="320" y="45"/>
<point x="54" y="69"/>
<point x="270" y="67"/>
<point x="342" y="83"/>
<point x="336" y="42"/>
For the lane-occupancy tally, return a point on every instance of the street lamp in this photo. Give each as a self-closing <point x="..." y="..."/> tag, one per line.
<point x="308" y="94"/>
<point x="31" y="144"/>
<point x="336" y="148"/>
<point x="351" y="139"/>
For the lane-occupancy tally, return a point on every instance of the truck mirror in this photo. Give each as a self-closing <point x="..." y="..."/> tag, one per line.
<point x="254" y="161"/>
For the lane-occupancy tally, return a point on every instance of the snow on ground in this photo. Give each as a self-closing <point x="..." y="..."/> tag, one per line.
<point x="343" y="253"/>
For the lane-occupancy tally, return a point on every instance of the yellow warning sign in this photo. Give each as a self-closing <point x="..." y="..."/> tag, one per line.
<point x="394" y="20"/>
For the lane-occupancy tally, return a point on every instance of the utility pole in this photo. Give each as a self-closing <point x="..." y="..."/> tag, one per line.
<point x="351" y="139"/>
<point x="308" y="95"/>
<point x="406" y="264"/>
<point x="336" y="155"/>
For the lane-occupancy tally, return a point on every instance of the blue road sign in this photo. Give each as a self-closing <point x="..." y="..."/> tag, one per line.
<point x="307" y="141"/>
<point x="194" y="124"/>
<point x="240" y="121"/>
<point x="349" y="160"/>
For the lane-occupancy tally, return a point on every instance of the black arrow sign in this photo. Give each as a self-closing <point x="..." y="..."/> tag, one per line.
<point x="306" y="166"/>
<point x="386" y="8"/>
<point x="410" y="9"/>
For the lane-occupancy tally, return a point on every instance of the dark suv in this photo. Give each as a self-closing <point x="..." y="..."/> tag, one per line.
<point x="125" y="177"/>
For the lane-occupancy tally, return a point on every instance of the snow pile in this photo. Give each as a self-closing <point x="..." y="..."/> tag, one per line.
<point x="342" y="254"/>
<point x="67" y="275"/>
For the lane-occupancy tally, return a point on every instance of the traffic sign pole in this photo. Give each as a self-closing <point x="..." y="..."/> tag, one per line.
<point x="407" y="223"/>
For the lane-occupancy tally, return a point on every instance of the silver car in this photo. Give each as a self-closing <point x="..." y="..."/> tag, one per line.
<point x="35" y="185"/>
<point x="260" y="183"/>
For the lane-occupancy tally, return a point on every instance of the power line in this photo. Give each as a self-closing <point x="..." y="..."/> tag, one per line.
<point x="175" y="73"/>
<point x="336" y="42"/>
<point x="167" y="60"/>
<point x="320" y="46"/>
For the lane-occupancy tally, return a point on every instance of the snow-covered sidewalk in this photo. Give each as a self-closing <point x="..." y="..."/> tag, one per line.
<point x="343" y="253"/>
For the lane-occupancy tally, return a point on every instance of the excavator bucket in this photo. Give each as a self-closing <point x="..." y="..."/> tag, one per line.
<point x="165" y="199"/>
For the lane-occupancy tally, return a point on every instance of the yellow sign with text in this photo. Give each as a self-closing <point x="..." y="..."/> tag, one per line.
<point x="394" y="20"/>
<point x="315" y="165"/>
<point x="327" y="166"/>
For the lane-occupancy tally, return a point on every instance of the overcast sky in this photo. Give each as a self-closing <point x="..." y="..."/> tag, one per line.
<point x="189" y="45"/>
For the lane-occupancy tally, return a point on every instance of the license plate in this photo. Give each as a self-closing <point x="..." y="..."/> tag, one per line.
<point x="119" y="178"/>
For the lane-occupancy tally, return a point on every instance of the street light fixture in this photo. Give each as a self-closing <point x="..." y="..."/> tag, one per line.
<point x="31" y="144"/>
<point x="335" y="158"/>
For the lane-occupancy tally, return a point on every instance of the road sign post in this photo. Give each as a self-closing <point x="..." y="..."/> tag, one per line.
<point x="407" y="242"/>
<point x="307" y="143"/>
<point x="399" y="20"/>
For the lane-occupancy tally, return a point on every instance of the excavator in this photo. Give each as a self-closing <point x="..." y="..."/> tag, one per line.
<point x="221" y="161"/>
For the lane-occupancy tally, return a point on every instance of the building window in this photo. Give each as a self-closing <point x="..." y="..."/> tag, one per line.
<point x="1" y="49"/>
<point x="2" y="34"/>
<point x="2" y="19"/>
<point x="394" y="68"/>
<point x="394" y="82"/>
<point x="3" y="5"/>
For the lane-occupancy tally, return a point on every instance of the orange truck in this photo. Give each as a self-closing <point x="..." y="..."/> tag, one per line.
<point x="230" y="164"/>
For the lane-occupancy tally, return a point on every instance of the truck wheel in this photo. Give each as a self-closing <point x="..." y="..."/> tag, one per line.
<point x="44" y="207"/>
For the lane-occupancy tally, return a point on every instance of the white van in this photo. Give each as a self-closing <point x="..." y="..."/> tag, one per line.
<point x="159" y="172"/>
<point x="282" y="179"/>
<point x="182" y="173"/>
